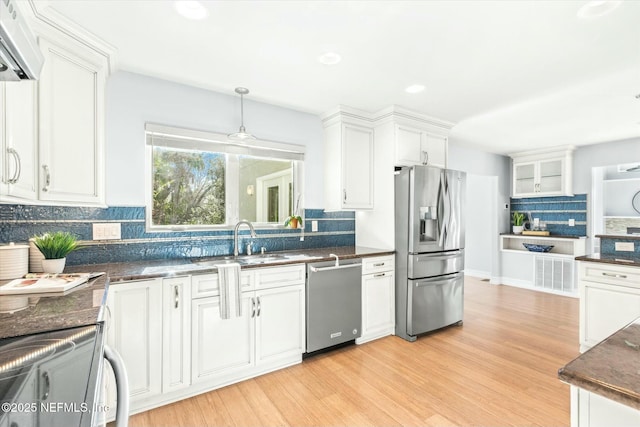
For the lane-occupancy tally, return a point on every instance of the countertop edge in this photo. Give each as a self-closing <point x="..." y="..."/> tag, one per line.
<point x="628" y="262"/>
<point x="124" y="272"/>
<point x="550" y="237"/>
<point x="600" y="388"/>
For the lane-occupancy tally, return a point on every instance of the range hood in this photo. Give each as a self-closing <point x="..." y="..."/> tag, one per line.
<point x="20" y="57"/>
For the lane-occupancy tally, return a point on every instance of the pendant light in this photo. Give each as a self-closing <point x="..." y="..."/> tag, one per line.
<point x="242" y="134"/>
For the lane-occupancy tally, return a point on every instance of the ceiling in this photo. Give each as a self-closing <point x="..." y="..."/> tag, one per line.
<point x="512" y="75"/>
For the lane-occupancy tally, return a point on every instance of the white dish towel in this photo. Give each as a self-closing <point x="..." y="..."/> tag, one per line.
<point x="230" y="301"/>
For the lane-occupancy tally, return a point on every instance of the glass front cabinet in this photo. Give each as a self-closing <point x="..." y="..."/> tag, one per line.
<point x="542" y="173"/>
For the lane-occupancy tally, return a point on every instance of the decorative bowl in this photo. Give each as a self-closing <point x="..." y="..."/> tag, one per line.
<point x="537" y="248"/>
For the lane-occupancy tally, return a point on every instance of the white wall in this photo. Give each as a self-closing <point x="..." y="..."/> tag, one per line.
<point x="134" y="99"/>
<point x="481" y="244"/>
<point x="605" y="154"/>
<point x="479" y="164"/>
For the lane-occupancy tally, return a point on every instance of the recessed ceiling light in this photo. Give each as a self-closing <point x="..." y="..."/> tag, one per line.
<point x="597" y="8"/>
<point x="329" y="58"/>
<point x="191" y="9"/>
<point x="414" y="89"/>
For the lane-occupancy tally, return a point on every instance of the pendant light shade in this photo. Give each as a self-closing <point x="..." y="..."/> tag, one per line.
<point x="242" y="134"/>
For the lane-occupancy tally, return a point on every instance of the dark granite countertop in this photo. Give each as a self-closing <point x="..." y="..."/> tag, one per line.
<point x="83" y="305"/>
<point x="611" y="368"/>
<point x="610" y="259"/>
<point x="552" y="236"/>
<point x="79" y="306"/>
<point x="139" y="270"/>
<point x="619" y="236"/>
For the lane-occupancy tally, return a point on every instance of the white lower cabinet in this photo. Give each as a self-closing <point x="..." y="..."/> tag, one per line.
<point x="378" y="298"/>
<point x="280" y="324"/>
<point x="175" y="344"/>
<point x="135" y="332"/>
<point x="221" y="348"/>
<point x="592" y="410"/>
<point x="176" y="333"/>
<point x="609" y="300"/>
<point x="268" y="334"/>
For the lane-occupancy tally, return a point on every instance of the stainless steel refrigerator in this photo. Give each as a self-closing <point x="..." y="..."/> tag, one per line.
<point x="429" y="249"/>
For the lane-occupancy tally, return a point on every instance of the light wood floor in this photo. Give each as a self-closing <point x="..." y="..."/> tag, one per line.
<point x="497" y="369"/>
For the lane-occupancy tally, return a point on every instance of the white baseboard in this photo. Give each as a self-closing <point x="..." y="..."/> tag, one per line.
<point x="526" y="284"/>
<point x="477" y="273"/>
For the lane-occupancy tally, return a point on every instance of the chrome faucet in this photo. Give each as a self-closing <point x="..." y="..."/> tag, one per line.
<point x="235" y="235"/>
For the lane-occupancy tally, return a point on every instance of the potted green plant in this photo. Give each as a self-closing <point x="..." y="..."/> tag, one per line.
<point x="55" y="247"/>
<point x="294" y="221"/>
<point x="518" y="222"/>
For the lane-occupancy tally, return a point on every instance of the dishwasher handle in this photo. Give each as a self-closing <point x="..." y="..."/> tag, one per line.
<point x="339" y="267"/>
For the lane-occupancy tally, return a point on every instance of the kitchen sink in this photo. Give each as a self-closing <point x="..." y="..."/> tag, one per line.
<point x="256" y="259"/>
<point x="242" y="260"/>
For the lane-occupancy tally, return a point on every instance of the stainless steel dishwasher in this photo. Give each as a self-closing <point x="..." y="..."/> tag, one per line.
<point x="334" y="303"/>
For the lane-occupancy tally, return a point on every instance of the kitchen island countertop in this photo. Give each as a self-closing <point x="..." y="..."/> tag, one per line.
<point x="610" y="368"/>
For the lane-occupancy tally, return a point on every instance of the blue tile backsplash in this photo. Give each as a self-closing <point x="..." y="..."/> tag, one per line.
<point x="20" y="222"/>
<point x="608" y="247"/>
<point x="556" y="212"/>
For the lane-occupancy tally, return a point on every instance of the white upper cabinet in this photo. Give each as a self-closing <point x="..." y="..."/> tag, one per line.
<point x="52" y="130"/>
<point x="416" y="146"/>
<point x="542" y="173"/>
<point x="18" y="138"/>
<point x="72" y="88"/>
<point x="348" y="150"/>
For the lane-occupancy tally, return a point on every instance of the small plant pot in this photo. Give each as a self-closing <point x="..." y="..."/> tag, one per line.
<point x="293" y="223"/>
<point x="53" y="265"/>
<point x="517" y="229"/>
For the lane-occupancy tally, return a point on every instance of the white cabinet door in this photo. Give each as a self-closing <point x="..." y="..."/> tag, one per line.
<point x="19" y="135"/>
<point x="221" y="348"/>
<point x="176" y="333"/>
<point x="280" y="323"/>
<point x="434" y="149"/>
<point x="357" y="167"/>
<point x="378" y="305"/>
<point x="71" y="103"/>
<point x="604" y="309"/>
<point x="524" y="179"/>
<point x="135" y="333"/>
<point x="550" y="176"/>
<point x="409" y="144"/>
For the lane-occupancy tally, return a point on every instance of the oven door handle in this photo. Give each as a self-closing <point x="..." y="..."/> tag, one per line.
<point x="122" y="386"/>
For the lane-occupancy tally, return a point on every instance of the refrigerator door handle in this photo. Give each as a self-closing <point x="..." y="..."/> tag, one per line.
<point x="446" y="204"/>
<point x="436" y="281"/>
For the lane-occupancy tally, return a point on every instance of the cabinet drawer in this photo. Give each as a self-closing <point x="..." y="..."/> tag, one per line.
<point x="378" y="264"/>
<point x="611" y="274"/>
<point x="272" y="277"/>
<point x="207" y="285"/>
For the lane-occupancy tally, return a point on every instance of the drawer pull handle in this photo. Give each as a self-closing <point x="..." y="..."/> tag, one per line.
<point x="378" y="264"/>
<point x="617" y="276"/>
<point x="176" y="296"/>
<point x="380" y="275"/>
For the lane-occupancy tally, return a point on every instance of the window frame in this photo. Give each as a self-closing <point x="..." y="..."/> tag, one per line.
<point x="157" y="134"/>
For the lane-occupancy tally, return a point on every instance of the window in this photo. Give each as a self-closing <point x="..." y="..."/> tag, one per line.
<point x="200" y="180"/>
